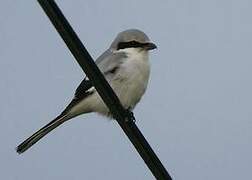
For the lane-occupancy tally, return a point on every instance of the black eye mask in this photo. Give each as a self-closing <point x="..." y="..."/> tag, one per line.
<point x="130" y="44"/>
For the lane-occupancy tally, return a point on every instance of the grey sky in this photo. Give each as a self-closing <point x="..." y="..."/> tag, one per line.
<point x="196" y="113"/>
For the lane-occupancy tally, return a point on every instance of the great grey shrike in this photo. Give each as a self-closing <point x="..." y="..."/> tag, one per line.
<point x="125" y="66"/>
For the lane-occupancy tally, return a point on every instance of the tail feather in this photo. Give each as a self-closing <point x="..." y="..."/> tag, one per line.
<point x="40" y="134"/>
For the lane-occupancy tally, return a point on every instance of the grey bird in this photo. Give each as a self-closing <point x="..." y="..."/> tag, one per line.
<point x="125" y="66"/>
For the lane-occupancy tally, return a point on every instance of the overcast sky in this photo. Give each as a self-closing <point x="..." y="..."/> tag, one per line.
<point x="196" y="113"/>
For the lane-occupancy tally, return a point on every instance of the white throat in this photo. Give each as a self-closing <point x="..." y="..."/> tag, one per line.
<point x="137" y="54"/>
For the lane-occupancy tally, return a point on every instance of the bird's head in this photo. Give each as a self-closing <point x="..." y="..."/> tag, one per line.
<point x="132" y="38"/>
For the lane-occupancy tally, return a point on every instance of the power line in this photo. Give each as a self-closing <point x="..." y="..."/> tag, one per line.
<point x="123" y="116"/>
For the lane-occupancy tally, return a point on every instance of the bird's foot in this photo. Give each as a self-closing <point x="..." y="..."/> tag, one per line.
<point x="130" y="116"/>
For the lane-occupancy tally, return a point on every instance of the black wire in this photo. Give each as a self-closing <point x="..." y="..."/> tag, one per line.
<point x="103" y="88"/>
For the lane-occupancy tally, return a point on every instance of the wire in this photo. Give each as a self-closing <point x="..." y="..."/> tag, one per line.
<point x="123" y="116"/>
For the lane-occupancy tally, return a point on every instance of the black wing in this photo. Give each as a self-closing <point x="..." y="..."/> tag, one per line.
<point x="108" y="63"/>
<point x="82" y="91"/>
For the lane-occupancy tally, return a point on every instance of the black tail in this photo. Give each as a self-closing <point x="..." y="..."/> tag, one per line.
<point x="40" y="133"/>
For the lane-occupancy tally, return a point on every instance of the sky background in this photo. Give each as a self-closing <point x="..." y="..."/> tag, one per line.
<point x="196" y="113"/>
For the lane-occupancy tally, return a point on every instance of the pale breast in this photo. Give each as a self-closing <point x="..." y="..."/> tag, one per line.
<point x="132" y="80"/>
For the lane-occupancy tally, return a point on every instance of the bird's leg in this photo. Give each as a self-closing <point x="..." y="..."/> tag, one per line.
<point x="130" y="116"/>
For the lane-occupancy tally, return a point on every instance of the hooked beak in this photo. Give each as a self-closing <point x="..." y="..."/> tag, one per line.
<point x="150" y="46"/>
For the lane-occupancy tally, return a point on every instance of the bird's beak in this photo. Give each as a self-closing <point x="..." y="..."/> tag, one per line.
<point x="150" y="46"/>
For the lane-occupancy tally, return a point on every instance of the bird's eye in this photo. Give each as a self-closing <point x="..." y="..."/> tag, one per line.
<point x="129" y="44"/>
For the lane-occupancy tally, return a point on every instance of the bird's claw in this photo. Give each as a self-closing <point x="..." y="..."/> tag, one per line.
<point x="130" y="116"/>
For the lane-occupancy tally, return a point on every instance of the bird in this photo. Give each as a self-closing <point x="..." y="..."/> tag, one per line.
<point x="125" y="65"/>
